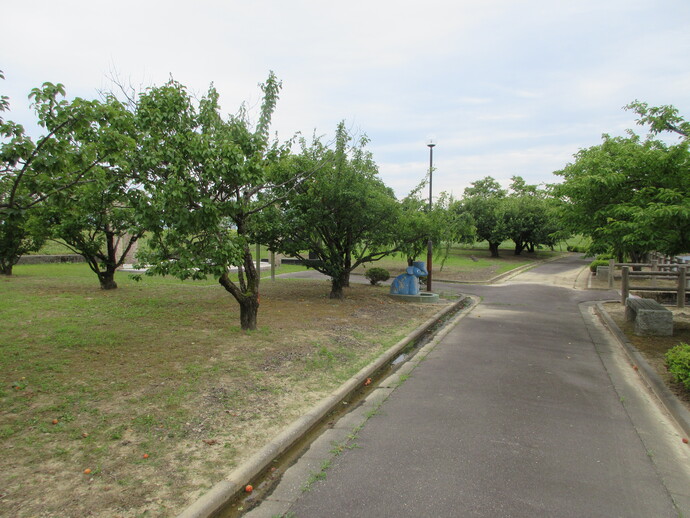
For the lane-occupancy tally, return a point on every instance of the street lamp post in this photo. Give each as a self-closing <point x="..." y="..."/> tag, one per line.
<point x="431" y="145"/>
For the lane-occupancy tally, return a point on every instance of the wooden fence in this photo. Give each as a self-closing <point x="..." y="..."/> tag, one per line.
<point x="680" y="276"/>
<point x="660" y="268"/>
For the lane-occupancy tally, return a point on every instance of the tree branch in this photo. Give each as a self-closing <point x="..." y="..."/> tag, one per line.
<point x="33" y="155"/>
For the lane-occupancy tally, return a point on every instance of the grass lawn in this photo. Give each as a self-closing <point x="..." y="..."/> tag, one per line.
<point x="464" y="263"/>
<point x="155" y="390"/>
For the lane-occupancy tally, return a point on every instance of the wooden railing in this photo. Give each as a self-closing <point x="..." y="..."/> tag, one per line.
<point x="680" y="289"/>
<point x="658" y="269"/>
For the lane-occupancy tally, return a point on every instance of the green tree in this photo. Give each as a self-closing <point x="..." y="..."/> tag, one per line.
<point x="98" y="218"/>
<point x="484" y="201"/>
<point x="31" y="173"/>
<point x="631" y="196"/>
<point x="529" y="216"/>
<point x="341" y="214"/>
<point x="446" y="226"/>
<point x="660" y="118"/>
<point x="205" y="176"/>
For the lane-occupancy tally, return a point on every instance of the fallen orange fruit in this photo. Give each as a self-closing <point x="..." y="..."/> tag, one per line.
<point x="249" y="488"/>
<point x="55" y="421"/>
<point x="685" y="440"/>
<point x="146" y="455"/>
<point x="87" y="471"/>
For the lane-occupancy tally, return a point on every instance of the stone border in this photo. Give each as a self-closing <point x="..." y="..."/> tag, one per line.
<point x="233" y="485"/>
<point x="49" y="259"/>
<point x="649" y="375"/>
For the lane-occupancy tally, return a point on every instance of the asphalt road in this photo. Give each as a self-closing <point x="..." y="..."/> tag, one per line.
<point x="526" y="408"/>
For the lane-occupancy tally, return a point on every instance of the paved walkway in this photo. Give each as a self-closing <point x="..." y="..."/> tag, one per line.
<point x="527" y="408"/>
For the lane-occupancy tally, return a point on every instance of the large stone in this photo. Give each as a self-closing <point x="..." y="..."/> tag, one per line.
<point x="654" y="322"/>
<point x="651" y="318"/>
<point x="602" y="272"/>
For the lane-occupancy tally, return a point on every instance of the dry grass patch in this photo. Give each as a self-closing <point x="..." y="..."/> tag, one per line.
<point x="161" y="368"/>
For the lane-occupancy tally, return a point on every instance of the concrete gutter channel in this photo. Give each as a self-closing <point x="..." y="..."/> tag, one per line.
<point x="228" y="491"/>
<point x="648" y="374"/>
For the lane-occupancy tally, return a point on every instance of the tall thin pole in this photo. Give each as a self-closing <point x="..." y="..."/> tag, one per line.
<point x="429" y="251"/>
<point x="258" y="263"/>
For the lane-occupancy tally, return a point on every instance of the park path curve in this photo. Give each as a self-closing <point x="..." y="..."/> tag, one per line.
<point x="520" y="411"/>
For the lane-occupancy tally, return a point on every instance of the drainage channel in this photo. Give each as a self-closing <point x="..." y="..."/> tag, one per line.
<point x="265" y="483"/>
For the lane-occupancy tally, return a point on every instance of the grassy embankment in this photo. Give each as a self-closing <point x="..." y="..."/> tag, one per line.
<point x="94" y="380"/>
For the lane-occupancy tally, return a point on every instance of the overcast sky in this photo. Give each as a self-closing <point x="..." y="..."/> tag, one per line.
<point x="505" y="87"/>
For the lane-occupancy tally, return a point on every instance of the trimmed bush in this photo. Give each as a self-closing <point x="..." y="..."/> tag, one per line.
<point x="376" y="275"/>
<point x="678" y="361"/>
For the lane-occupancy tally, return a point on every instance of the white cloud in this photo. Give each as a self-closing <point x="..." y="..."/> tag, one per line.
<point x="507" y="87"/>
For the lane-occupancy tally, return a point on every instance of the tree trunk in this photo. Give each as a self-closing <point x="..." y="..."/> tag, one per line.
<point x="337" y="284"/>
<point x="249" y="311"/>
<point x="247" y="299"/>
<point x="519" y="247"/>
<point x="493" y="248"/>
<point x="638" y="257"/>
<point x="6" y="269"/>
<point x="107" y="279"/>
<point x="348" y="269"/>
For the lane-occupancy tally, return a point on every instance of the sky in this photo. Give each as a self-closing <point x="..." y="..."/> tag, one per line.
<point x="503" y="87"/>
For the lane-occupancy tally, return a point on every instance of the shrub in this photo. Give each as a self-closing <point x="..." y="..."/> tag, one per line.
<point x="678" y="361"/>
<point x="376" y="275"/>
<point x="597" y="262"/>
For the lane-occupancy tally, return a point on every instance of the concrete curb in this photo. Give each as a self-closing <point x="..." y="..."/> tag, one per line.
<point x="226" y="490"/>
<point x="648" y="374"/>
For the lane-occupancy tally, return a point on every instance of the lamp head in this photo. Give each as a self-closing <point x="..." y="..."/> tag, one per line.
<point x="431" y="142"/>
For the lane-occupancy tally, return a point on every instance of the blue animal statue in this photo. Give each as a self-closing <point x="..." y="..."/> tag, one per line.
<point x="408" y="283"/>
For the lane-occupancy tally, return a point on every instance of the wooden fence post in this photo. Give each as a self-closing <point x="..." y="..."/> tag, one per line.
<point x="655" y="268"/>
<point x="682" y="283"/>
<point x="625" y="284"/>
<point x="612" y="266"/>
